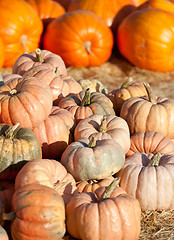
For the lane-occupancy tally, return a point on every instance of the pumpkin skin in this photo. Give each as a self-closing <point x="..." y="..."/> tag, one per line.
<point x="39" y="57"/>
<point x="3" y="234"/>
<point x="86" y="162"/>
<point x="7" y="189"/>
<point x="40" y="213"/>
<point x="27" y="101"/>
<point x="85" y="104"/>
<point x="88" y="43"/>
<point x="117" y="217"/>
<point x="107" y="10"/>
<point x="54" y="133"/>
<point x="50" y="173"/>
<point x="143" y="115"/>
<point x="151" y="185"/>
<point x="2" y="52"/>
<point x="64" y="3"/>
<point x="19" y="34"/>
<point x="104" y="127"/>
<point x="150" y="142"/>
<point x="147" y="42"/>
<point x="165" y="5"/>
<point x="17" y="146"/>
<point x="127" y="90"/>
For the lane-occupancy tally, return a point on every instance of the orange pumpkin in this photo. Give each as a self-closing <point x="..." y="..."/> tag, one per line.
<point x="138" y="2"/>
<point x="80" y="37"/>
<point x="107" y="10"/>
<point x="20" y="29"/>
<point x="147" y="42"/>
<point x="64" y="3"/>
<point x="2" y="52"/>
<point x="165" y="5"/>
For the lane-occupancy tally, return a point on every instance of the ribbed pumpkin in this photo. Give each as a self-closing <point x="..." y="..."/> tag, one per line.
<point x="93" y="159"/>
<point x="149" y="178"/>
<point x="150" y="142"/>
<point x="27" y="101"/>
<point x="39" y="213"/>
<point x="54" y="133"/>
<point x="20" y="29"/>
<point x="104" y="127"/>
<point x="107" y="10"/>
<point x="108" y="213"/>
<point x="85" y="104"/>
<point x="85" y="39"/>
<point x="47" y="172"/>
<point x="147" y="42"/>
<point x="39" y="57"/>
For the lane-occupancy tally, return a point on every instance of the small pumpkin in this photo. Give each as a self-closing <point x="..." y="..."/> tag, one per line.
<point x="55" y="133"/>
<point x="86" y="103"/>
<point x="104" y="127"/>
<point x="150" y="142"/>
<point x="39" y="57"/>
<point x="50" y="173"/>
<point x="93" y="159"/>
<point x="19" y="34"/>
<point x="107" y="213"/>
<point x="85" y="39"/>
<point x="27" y="101"/>
<point x="149" y="178"/>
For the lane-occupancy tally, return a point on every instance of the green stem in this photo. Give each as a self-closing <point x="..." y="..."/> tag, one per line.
<point x="39" y="57"/>
<point x="155" y="160"/>
<point x="86" y="100"/>
<point x="92" y="142"/>
<point x="109" y="189"/>
<point x="127" y="83"/>
<point x="10" y="131"/>
<point x="9" y="216"/>
<point x="150" y="94"/>
<point x="102" y="128"/>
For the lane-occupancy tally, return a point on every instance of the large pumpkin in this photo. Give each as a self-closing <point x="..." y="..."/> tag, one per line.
<point x="20" y="29"/>
<point x="27" y="101"/>
<point x="147" y="42"/>
<point x="149" y="178"/>
<point x="166" y="5"/>
<point x="107" y="10"/>
<point x="80" y="37"/>
<point x="88" y="160"/>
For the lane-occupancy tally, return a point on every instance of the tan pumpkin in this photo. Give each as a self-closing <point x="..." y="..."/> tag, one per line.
<point x="149" y="178"/>
<point x="150" y="142"/>
<point x="93" y="84"/>
<point x="27" y="101"/>
<point x="39" y="57"/>
<point x="54" y="133"/>
<point x="50" y="173"/>
<point x="149" y="114"/>
<point x="3" y="234"/>
<point x="104" y="127"/>
<point x="107" y="213"/>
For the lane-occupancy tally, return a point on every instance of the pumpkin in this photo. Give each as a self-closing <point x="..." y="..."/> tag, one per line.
<point x="86" y="103"/>
<point x="64" y="3"/>
<point x="147" y="42"/>
<point x="2" y="52"/>
<point x="38" y="212"/>
<point x="17" y="144"/>
<point x="39" y="57"/>
<point x="85" y="39"/>
<point x="92" y="185"/>
<point x="104" y="127"/>
<point x="107" y="10"/>
<point x="3" y="234"/>
<point x="93" y="84"/>
<point x="60" y="86"/>
<point x="50" y="173"/>
<point x="165" y="5"/>
<point x="139" y="2"/>
<point x="150" y="142"/>
<point x="19" y="34"/>
<point x="6" y="193"/>
<point x="127" y="90"/>
<point x="107" y="213"/>
<point x="149" y="178"/>
<point x="93" y="159"/>
<point x="54" y="134"/>
<point x="27" y="101"/>
<point x="149" y="113"/>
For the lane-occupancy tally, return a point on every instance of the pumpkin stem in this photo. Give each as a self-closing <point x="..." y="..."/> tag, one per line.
<point x="10" y="131"/>
<point x="57" y="71"/>
<point x="127" y="83"/>
<point x="1" y="80"/>
<point x="102" y="128"/>
<point x="86" y="100"/>
<point x="92" y="142"/>
<point x="13" y="91"/>
<point x="155" y="160"/>
<point x="150" y="93"/>
<point x="87" y="46"/>
<point x="39" y="57"/>
<point x="109" y="189"/>
<point x="9" y="216"/>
